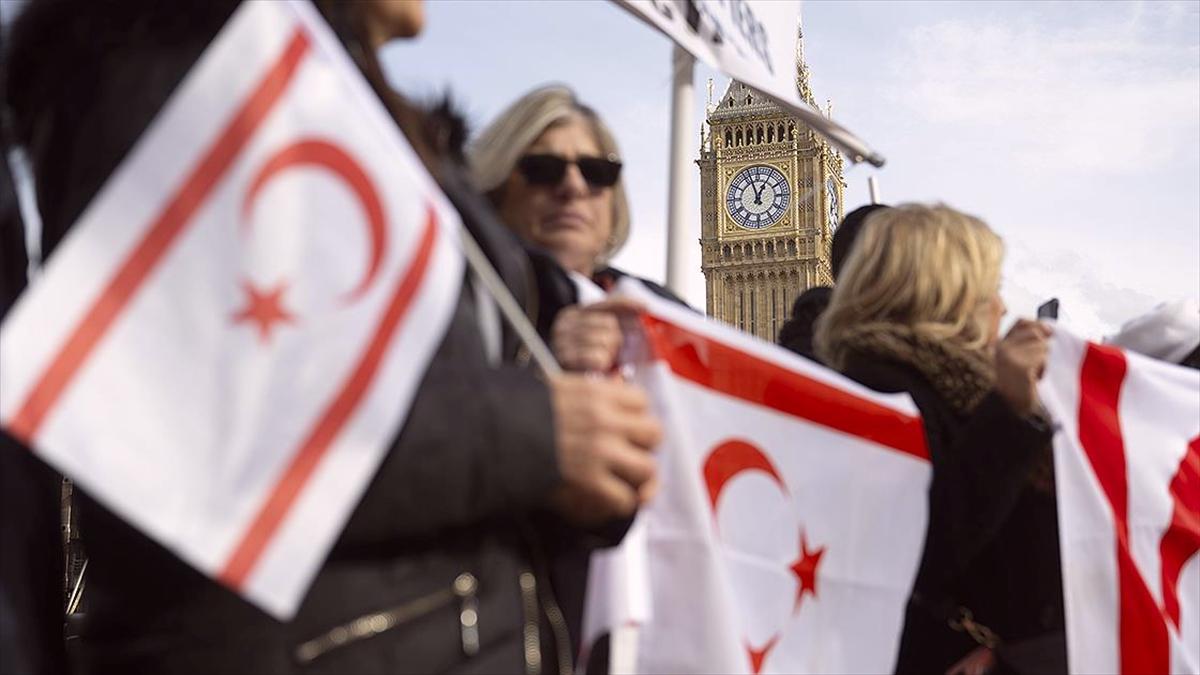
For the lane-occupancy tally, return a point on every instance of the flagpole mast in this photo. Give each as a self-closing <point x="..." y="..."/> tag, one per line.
<point x="680" y="234"/>
<point x="509" y="307"/>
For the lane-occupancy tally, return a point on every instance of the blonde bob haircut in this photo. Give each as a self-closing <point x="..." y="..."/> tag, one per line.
<point x="930" y="268"/>
<point x="495" y="153"/>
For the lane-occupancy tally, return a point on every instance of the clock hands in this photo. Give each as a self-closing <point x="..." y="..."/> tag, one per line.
<point x="758" y="193"/>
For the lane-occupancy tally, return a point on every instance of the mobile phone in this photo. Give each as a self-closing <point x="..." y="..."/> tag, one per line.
<point x="1048" y="309"/>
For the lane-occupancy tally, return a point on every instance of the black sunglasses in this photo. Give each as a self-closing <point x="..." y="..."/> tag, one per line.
<point x="548" y="170"/>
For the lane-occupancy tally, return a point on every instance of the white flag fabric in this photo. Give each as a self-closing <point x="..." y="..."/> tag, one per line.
<point x="754" y="42"/>
<point x="1127" y="463"/>
<point x="791" y="518"/>
<point x="228" y="341"/>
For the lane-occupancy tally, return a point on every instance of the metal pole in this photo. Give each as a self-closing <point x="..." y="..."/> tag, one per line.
<point x="873" y="188"/>
<point x="681" y="232"/>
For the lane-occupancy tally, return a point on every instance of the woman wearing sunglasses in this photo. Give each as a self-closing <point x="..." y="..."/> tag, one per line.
<point x="552" y="169"/>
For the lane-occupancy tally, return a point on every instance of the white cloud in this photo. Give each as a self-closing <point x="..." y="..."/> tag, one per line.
<point x="1091" y="306"/>
<point x="1097" y="97"/>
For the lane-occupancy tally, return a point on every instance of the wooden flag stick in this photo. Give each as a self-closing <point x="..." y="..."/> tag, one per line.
<point x="509" y="307"/>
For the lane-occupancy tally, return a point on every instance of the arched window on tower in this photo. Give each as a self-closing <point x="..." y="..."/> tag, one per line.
<point x="770" y="133"/>
<point x="741" y="308"/>
<point x="753" y="309"/>
<point x="749" y="99"/>
<point x="739" y="136"/>
<point x="774" y="313"/>
<point x="791" y="132"/>
<point x="725" y="251"/>
<point x="759" y="134"/>
<point x="728" y="138"/>
<point x="780" y="136"/>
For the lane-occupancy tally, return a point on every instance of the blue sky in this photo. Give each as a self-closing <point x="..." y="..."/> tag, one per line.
<point x="1073" y="128"/>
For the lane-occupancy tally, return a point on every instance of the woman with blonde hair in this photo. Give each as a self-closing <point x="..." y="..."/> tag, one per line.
<point x="917" y="309"/>
<point x="552" y="169"/>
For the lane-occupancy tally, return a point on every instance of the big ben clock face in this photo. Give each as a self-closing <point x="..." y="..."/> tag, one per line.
<point x="758" y="197"/>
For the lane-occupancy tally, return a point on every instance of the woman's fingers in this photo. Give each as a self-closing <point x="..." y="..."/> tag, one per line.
<point x="588" y="338"/>
<point x="1021" y="361"/>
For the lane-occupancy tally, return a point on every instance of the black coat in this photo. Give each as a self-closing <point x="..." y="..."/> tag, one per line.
<point x="32" y="593"/>
<point x="31" y="552"/>
<point x="570" y="553"/>
<point x="798" y="331"/>
<point x="992" y="540"/>
<point x="456" y="493"/>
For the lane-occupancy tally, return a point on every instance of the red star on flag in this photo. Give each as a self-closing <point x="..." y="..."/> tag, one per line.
<point x="264" y="309"/>
<point x="805" y="569"/>
<point x="757" y="656"/>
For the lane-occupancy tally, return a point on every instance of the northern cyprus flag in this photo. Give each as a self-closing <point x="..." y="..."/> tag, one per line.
<point x="229" y="340"/>
<point x="1127" y="463"/>
<point x="791" y="517"/>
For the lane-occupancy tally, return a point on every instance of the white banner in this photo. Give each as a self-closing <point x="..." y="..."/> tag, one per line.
<point x="228" y="341"/>
<point x="791" y="518"/>
<point x="754" y="42"/>
<point x="1127" y="463"/>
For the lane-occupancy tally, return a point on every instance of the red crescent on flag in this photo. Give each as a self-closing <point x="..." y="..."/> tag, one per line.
<point x="729" y="459"/>
<point x="325" y="155"/>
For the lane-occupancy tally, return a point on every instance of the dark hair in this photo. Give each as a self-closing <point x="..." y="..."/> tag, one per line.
<point x="84" y="79"/>
<point x="846" y="233"/>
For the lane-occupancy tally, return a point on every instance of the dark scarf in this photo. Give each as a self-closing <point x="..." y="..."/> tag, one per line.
<point x="961" y="376"/>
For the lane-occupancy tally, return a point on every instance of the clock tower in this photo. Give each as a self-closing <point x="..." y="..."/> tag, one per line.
<point x="770" y="196"/>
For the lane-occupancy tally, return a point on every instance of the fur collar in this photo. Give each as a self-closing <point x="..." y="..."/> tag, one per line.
<point x="961" y="376"/>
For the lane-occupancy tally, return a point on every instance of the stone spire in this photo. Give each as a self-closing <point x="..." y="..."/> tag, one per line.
<point x="802" y="84"/>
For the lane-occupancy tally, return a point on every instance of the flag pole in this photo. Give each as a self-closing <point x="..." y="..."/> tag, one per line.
<point x="873" y="188"/>
<point x="509" y="307"/>
<point x="680" y="233"/>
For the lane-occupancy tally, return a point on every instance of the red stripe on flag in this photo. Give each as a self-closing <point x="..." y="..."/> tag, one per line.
<point x="735" y="373"/>
<point x="1182" y="538"/>
<point x="1143" y="646"/>
<point x="159" y="237"/>
<point x="304" y="461"/>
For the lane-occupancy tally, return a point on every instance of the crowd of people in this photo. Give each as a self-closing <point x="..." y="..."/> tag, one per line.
<point x="504" y="479"/>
